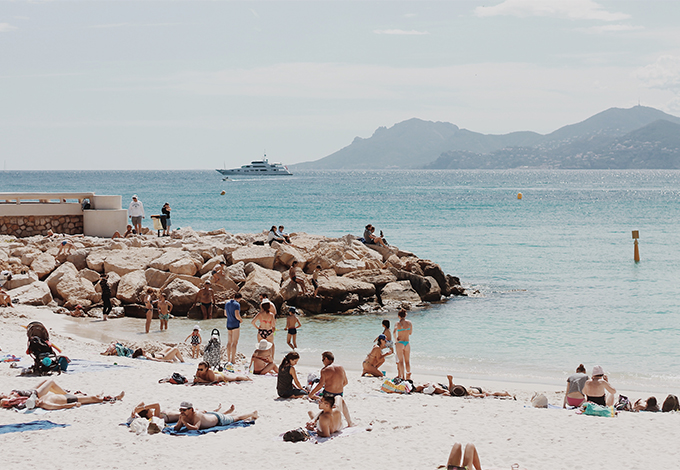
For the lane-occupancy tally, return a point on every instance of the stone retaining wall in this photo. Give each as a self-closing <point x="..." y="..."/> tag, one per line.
<point x="27" y="226"/>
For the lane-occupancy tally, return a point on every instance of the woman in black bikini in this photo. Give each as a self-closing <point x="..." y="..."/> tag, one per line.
<point x="265" y="322"/>
<point x="596" y="387"/>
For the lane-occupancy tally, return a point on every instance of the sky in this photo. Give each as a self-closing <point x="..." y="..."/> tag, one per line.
<point x="200" y="85"/>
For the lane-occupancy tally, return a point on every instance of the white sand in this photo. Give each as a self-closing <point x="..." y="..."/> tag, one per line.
<point x="407" y="432"/>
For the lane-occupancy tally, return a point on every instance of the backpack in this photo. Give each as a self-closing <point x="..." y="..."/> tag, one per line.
<point x="296" y="435"/>
<point x="213" y="350"/>
<point x="670" y="404"/>
<point x="177" y="378"/>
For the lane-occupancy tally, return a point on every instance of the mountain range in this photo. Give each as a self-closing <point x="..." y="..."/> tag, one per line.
<point x="637" y="137"/>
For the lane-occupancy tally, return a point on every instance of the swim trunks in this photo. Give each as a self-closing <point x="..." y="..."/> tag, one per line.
<point x="164" y="317"/>
<point x="206" y="303"/>
<point x="234" y="327"/>
<point x="222" y="419"/>
<point x="315" y="283"/>
<point x="455" y="467"/>
<point x="292" y="331"/>
<point x="70" y="398"/>
<point x="331" y="394"/>
<point x="265" y="333"/>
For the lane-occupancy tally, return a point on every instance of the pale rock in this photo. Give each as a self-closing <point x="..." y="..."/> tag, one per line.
<point x="373" y="264"/>
<point x="89" y="274"/>
<point x="20" y="250"/>
<point x="78" y="258"/>
<point x="289" y="290"/>
<point x="210" y="264"/>
<point x="74" y="290"/>
<point x="393" y="260"/>
<point x="348" y="266"/>
<point x="43" y="265"/>
<point x="156" y="278"/>
<point x="164" y="261"/>
<point x="236" y="272"/>
<point x="434" y="294"/>
<point x="126" y="261"/>
<point x="19" y="280"/>
<point x="385" y="251"/>
<point x="131" y="287"/>
<point x="275" y="276"/>
<point x="65" y="269"/>
<point x="397" y="292"/>
<point x="262" y="255"/>
<point x="193" y="280"/>
<point x="36" y="293"/>
<point x="286" y="254"/>
<point x="181" y="294"/>
<point x="224" y="289"/>
<point x="95" y="259"/>
<point x="340" y="286"/>
<point x="377" y="277"/>
<point x="184" y="265"/>
<point x="260" y="281"/>
<point x="118" y="245"/>
<point x="29" y="254"/>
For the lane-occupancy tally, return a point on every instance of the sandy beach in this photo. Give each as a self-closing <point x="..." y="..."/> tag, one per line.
<point x="410" y="431"/>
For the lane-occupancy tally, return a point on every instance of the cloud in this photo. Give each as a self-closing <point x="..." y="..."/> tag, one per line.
<point x="401" y="32"/>
<point x="254" y="13"/>
<point x="571" y="9"/>
<point x="663" y="74"/>
<point x="6" y="27"/>
<point x="610" y="28"/>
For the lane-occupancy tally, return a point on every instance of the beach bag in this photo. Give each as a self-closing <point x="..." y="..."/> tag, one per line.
<point x="670" y="404"/>
<point x="177" y="378"/>
<point x="296" y="435"/>
<point x="592" y="409"/>
<point x="539" y="401"/>
<point x="389" y="386"/>
<point x="623" y="404"/>
<point x="212" y="353"/>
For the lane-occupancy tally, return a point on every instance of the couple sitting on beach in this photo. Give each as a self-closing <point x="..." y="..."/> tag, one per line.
<point x="596" y="389"/>
<point x="189" y="418"/>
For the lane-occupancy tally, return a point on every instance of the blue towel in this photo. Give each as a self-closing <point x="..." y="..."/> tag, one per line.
<point x="185" y="432"/>
<point x="32" y="426"/>
<point x="81" y="365"/>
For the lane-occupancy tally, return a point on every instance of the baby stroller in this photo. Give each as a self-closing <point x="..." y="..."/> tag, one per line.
<point x="40" y="349"/>
<point x="213" y="350"/>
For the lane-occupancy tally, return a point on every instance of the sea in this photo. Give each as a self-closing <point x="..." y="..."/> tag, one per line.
<point x="552" y="277"/>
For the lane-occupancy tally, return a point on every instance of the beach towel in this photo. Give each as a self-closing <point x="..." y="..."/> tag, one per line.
<point x="32" y="426"/>
<point x="81" y="365"/>
<point x="9" y="358"/>
<point x="593" y="409"/>
<point x="185" y="432"/>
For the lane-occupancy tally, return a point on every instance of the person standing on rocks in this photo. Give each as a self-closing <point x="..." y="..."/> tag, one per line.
<point x="292" y="272"/>
<point x="165" y="210"/>
<point x="136" y="213"/>
<point x="106" y="296"/>
<point x="232" y="310"/>
<point x="206" y="297"/>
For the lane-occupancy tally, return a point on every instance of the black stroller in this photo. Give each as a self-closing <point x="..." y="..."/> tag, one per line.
<point x="213" y="350"/>
<point x="40" y="349"/>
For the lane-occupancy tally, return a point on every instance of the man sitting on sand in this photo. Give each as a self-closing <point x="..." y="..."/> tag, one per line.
<point x="205" y="375"/>
<point x="333" y="380"/>
<point x="194" y="420"/>
<point x="329" y="420"/>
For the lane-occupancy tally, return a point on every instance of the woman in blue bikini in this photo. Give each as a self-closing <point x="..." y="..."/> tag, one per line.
<point x="402" y="332"/>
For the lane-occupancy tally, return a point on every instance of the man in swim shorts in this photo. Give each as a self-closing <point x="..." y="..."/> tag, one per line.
<point x="333" y="380"/>
<point x="136" y="213"/>
<point x="194" y="420"/>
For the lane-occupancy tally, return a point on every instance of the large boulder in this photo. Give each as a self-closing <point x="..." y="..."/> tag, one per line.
<point x="237" y="272"/>
<point x="19" y="280"/>
<point x="95" y="259"/>
<point x="131" y="287"/>
<point x="211" y="264"/>
<point x="334" y="286"/>
<point x="78" y="258"/>
<point x="126" y="261"/>
<point x="90" y="275"/>
<point x="398" y="292"/>
<point x="28" y="254"/>
<point x="170" y="256"/>
<point x="36" y="293"/>
<point x="261" y="255"/>
<point x="186" y="265"/>
<point x="286" y="254"/>
<point x="377" y="277"/>
<point x="156" y="278"/>
<point x="435" y="271"/>
<point x="74" y="290"/>
<point x="348" y="266"/>
<point x="260" y="281"/>
<point x="181" y="294"/>
<point x="43" y="265"/>
<point x="385" y="251"/>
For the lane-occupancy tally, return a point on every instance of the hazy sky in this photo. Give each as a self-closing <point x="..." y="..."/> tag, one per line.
<point x="183" y="85"/>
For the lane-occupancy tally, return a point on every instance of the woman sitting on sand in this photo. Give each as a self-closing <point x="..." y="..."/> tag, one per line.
<point x="288" y="377"/>
<point x="376" y="358"/>
<point x="574" y="395"/>
<point x="262" y="360"/>
<point x="169" y="354"/>
<point x="463" y="461"/>
<point x="50" y="396"/>
<point x="596" y="388"/>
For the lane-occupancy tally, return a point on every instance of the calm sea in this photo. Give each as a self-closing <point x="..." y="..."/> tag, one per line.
<point x="555" y="273"/>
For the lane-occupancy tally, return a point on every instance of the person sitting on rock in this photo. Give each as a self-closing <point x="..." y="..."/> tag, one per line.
<point x="283" y="234"/>
<point x="273" y="236"/>
<point x="5" y="299"/>
<point x="370" y="238"/>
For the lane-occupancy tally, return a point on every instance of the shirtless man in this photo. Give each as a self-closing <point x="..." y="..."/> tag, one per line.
<point x="376" y="358"/>
<point x="164" y="309"/>
<point x="194" y="420"/>
<point x="206" y="297"/>
<point x="329" y="420"/>
<point x="218" y="274"/>
<point x="205" y="375"/>
<point x="595" y="387"/>
<point x="154" y="409"/>
<point x="333" y="380"/>
<point x="292" y="272"/>
<point x="265" y="322"/>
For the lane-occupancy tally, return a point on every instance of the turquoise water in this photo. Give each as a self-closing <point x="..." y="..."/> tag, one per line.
<point x="555" y="271"/>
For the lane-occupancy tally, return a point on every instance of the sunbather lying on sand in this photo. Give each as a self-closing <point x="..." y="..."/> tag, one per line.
<point x="169" y="416"/>
<point x="457" y="390"/>
<point x="50" y="396"/>
<point x="205" y="375"/>
<point x="193" y="420"/>
<point x="169" y="354"/>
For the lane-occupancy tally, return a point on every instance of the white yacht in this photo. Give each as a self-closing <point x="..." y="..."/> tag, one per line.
<point x="258" y="168"/>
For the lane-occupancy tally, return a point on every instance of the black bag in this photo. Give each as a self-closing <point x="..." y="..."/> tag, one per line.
<point x="177" y="378"/>
<point x="296" y="435"/>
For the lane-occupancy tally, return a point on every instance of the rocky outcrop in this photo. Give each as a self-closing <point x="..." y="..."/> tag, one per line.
<point x="355" y="278"/>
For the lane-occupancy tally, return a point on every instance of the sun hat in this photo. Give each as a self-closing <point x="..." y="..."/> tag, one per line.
<point x="265" y="301"/>
<point x="207" y="282"/>
<point x="292" y="309"/>
<point x="263" y="345"/>
<point x="185" y="405"/>
<point x="196" y="327"/>
<point x="598" y="370"/>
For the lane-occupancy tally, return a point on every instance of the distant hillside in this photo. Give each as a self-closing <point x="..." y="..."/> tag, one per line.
<point x="638" y="137"/>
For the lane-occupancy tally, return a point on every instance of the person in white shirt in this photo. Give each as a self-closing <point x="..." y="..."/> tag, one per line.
<point x="136" y="213"/>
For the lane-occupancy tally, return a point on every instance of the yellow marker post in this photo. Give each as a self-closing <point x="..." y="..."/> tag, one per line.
<point x="519" y="195"/>
<point x="636" y="251"/>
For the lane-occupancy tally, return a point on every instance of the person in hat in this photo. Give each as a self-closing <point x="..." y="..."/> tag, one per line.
<point x="206" y="298"/>
<point x="262" y="360"/>
<point x="376" y="358"/>
<point x="596" y="388"/>
<point x="196" y="341"/>
<point x="292" y="324"/>
<point x="136" y="213"/>
<point x="194" y="420"/>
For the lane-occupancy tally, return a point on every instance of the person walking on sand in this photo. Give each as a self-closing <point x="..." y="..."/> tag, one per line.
<point x="148" y="303"/>
<point x="403" y="331"/>
<point x="232" y="310"/>
<point x="136" y="213"/>
<point x="265" y="322"/>
<point x="292" y="324"/>
<point x="194" y="420"/>
<point x="106" y="295"/>
<point x="333" y="380"/>
<point x="376" y="358"/>
<point x="196" y="341"/>
<point x="164" y="309"/>
<point x="206" y="297"/>
<point x="292" y="272"/>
